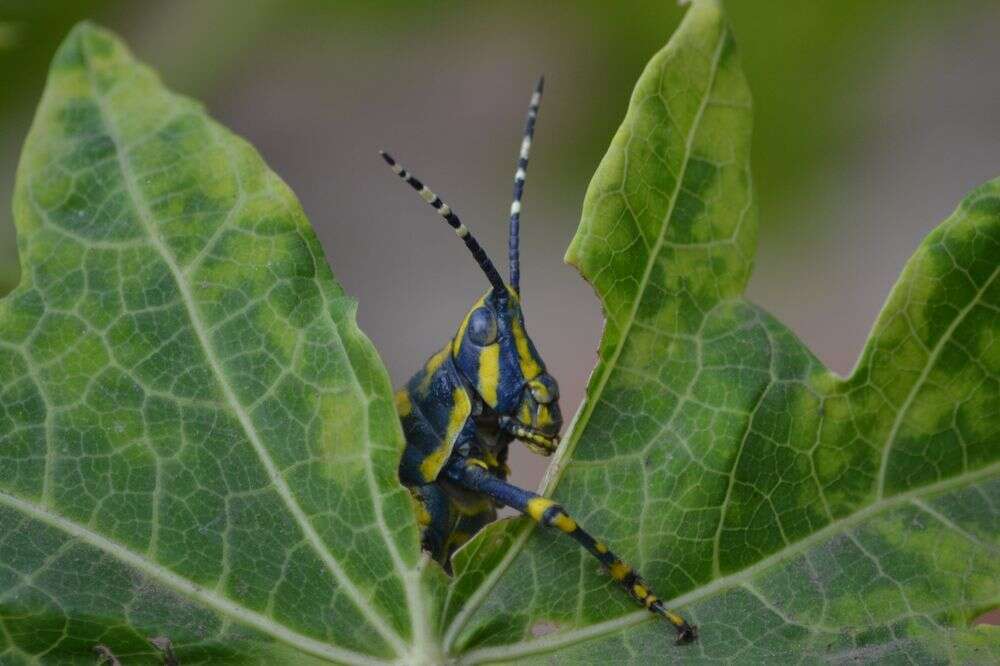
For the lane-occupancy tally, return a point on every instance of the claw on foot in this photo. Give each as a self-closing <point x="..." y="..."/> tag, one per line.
<point x="686" y="633"/>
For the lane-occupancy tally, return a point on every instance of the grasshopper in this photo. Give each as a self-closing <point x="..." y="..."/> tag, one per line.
<point x="485" y="388"/>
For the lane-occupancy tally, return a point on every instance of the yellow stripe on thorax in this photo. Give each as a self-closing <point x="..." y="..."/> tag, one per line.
<point x="433" y="365"/>
<point x="460" y="408"/>
<point x="432" y="464"/>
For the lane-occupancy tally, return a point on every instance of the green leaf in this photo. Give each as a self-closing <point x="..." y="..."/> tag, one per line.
<point x="788" y="511"/>
<point x="196" y="441"/>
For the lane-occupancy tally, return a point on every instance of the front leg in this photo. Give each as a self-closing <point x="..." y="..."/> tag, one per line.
<point x="473" y="475"/>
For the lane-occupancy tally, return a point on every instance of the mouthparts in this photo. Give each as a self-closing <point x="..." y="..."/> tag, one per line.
<point x="536" y="440"/>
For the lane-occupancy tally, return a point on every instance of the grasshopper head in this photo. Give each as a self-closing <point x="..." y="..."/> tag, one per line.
<point x="492" y="349"/>
<point x="494" y="353"/>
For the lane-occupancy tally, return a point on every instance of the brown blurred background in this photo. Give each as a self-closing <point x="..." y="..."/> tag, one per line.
<point x="873" y="119"/>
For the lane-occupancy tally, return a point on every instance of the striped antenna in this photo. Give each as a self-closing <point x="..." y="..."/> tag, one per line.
<point x="444" y="210"/>
<point x="515" y="206"/>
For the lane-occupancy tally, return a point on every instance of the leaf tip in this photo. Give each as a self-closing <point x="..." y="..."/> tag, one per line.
<point x="700" y="15"/>
<point x="86" y="41"/>
<point x="713" y="4"/>
<point x="85" y="31"/>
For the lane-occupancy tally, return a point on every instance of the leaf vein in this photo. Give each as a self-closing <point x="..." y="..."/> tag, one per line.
<point x="281" y="486"/>
<point x="554" y="641"/>
<point x="182" y="585"/>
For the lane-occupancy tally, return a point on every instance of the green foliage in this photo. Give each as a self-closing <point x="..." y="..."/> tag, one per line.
<point x="792" y="511"/>
<point x="197" y="442"/>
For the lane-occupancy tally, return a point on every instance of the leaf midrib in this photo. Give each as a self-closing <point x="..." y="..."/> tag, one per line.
<point x="741" y="577"/>
<point x="918" y="384"/>
<point x="557" y="467"/>
<point x="183" y="585"/>
<point x="277" y="480"/>
<point x="555" y="472"/>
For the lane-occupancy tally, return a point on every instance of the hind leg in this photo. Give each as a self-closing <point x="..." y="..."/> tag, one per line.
<point x="434" y="513"/>
<point x="472" y="475"/>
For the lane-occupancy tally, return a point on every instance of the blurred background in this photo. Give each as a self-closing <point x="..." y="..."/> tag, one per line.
<point x="872" y="120"/>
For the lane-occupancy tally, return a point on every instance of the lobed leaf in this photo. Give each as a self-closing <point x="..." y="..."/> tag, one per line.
<point x="196" y="441"/>
<point x="198" y="444"/>
<point x="791" y="513"/>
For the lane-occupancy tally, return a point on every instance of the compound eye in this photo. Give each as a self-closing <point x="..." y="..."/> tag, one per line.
<point x="544" y="389"/>
<point x="482" y="329"/>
